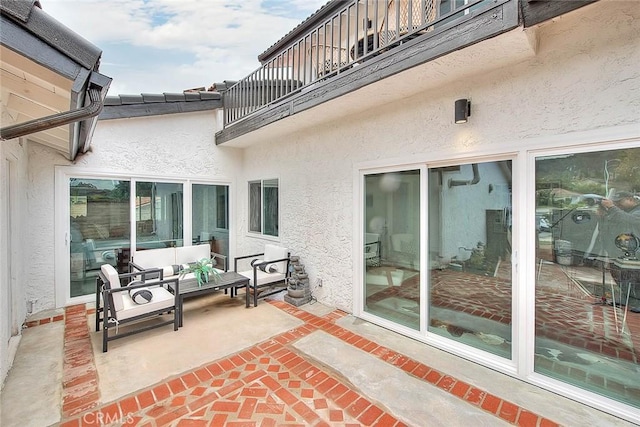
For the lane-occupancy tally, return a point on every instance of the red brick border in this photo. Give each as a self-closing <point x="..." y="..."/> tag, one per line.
<point x="268" y="384"/>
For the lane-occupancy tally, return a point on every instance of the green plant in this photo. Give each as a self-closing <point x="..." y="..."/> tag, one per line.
<point x="203" y="270"/>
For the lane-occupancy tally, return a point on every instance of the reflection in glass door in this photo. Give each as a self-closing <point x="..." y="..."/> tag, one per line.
<point x="99" y="225"/>
<point x="587" y="324"/>
<point x="210" y="216"/>
<point x="159" y="218"/>
<point x="470" y="255"/>
<point x="391" y="247"/>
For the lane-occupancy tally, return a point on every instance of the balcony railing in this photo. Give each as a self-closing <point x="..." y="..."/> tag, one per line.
<point x="359" y="31"/>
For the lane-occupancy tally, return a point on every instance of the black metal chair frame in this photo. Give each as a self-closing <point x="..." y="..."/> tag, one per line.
<point x="256" y="267"/>
<point x="104" y="289"/>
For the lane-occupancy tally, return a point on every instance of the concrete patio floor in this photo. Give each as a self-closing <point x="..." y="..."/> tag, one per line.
<point x="270" y="365"/>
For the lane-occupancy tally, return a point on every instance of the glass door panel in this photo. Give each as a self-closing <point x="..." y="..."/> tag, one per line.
<point x="392" y="247"/>
<point x="210" y="216"/>
<point x="99" y="226"/>
<point x="159" y="215"/>
<point x="587" y="271"/>
<point x="470" y="255"/>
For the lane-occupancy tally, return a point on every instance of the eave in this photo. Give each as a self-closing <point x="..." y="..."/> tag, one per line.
<point x="52" y="91"/>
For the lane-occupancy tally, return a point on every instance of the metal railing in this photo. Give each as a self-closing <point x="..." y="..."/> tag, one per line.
<point x="359" y="31"/>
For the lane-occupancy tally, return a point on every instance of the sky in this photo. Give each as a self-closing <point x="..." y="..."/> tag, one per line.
<point x="167" y="46"/>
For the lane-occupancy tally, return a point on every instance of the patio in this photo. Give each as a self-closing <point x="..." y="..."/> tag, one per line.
<point x="274" y="364"/>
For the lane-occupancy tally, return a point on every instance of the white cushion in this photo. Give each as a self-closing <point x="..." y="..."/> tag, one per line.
<point x="187" y="254"/>
<point x="161" y="299"/>
<point x="273" y="252"/>
<point x="114" y="282"/>
<point x="263" y="278"/>
<point x="155" y="258"/>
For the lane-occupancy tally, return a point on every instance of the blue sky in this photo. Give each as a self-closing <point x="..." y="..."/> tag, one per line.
<point x="156" y="46"/>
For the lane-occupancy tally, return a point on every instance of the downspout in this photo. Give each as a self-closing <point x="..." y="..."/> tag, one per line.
<point x="55" y="120"/>
<point x="475" y="180"/>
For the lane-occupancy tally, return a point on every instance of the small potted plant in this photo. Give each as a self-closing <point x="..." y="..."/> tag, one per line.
<point x="203" y="271"/>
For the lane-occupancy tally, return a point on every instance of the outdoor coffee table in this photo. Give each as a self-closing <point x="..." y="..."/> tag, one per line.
<point x="229" y="280"/>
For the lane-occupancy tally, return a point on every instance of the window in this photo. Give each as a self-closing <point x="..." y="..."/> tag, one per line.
<point x="210" y="216"/>
<point x="263" y="207"/>
<point x="108" y="219"/>
<point x="587" y="271"/>
<point x="159" y="219"/>
<point x="469" y="282"/>
<point x="391" y="247"/>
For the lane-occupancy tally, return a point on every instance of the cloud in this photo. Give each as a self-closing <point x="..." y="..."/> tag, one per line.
<point x="157" y="46"/>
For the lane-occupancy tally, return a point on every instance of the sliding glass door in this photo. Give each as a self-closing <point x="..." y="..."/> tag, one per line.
<point x="579" y="288"/>
<point x="110" y="218"/>
<point x="210" y="216"/>
<point x="468" y="236"/>
<point x="469" y="244"/>
<point x="392" y="247"/>
<point x="159" y="215"/>
<point x="588" y="272"/>
<point x="99" y="224"/>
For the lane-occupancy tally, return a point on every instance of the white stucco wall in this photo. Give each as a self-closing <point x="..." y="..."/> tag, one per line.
<point x="578" y="80"/>
<point x="178" y="145"/>
<point x="13" y="184"/>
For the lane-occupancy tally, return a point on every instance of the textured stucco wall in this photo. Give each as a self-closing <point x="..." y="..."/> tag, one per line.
<point x="180" y="145"/>
<point x="579" y="80"/>
<point x="13" y="184"/>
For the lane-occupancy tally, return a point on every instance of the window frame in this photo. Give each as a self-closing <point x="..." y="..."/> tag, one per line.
<point x="262" y="217"/>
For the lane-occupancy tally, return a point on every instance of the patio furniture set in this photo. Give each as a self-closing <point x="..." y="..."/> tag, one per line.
<point x="157" y="285"/>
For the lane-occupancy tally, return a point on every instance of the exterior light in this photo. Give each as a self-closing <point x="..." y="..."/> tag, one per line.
<point x="463" y="110"/>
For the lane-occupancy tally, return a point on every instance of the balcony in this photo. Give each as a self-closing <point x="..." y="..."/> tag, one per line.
<point x="346" y="46"/>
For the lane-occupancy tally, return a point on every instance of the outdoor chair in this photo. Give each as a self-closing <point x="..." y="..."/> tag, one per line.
<point x="268" y="269"/>
<point x="139" y="299"/>
<point x="372" y="249"/>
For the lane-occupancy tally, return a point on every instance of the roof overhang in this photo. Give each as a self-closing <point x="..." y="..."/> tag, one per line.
<point x="51" y="89"/>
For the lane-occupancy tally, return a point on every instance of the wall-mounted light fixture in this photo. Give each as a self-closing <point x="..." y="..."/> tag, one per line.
<point x="463" y="110"/>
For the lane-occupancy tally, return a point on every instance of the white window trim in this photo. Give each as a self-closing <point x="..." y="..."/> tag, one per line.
<point x="260" y="234"/>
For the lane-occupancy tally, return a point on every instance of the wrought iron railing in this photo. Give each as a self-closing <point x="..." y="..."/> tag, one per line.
<point x="360" y="30"/>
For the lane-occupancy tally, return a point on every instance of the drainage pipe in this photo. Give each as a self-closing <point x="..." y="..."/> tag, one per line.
<point x="55" y="120"/>
<point x="475" y="180"/>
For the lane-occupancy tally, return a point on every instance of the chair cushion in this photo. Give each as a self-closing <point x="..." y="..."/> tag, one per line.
<point x="263" y="278"/>
<point x="161" y="299"/>
<point x="113" y="282"/>
<point x="273" y="252"/>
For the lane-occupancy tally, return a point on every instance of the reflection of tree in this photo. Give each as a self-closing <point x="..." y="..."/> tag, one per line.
<point x="585" y="172"/>
<point x="143" y="189"/>
<point x="121" y="191"/>
<point x="77" y="183"/>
